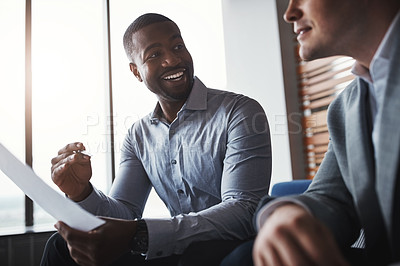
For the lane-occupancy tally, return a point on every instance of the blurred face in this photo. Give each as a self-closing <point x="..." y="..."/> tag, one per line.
<point x="324" y="27"/>
<point x="162" y="61"/>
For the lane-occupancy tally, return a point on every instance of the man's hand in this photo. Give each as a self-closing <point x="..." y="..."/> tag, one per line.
<point x="100" y="246"/>
<point x="71" y="171"/>
<point x="292" y="236"/>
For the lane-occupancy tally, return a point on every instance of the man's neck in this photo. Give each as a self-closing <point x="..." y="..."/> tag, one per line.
<point x="170" y="110"/>
<point x="375" y="27"/>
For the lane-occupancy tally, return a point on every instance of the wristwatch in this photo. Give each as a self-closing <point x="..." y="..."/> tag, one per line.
<point x="140" y="240"/>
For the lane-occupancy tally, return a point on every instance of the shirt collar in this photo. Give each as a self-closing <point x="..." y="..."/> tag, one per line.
<point x="382" y="53"/>
<point x="197" y="100"/>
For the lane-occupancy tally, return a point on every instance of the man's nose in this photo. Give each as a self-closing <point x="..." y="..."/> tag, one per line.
<point x="171" y="59"/>
<point x="293" y="12"/>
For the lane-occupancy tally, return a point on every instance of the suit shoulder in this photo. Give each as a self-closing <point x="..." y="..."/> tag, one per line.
<point x="347" y="96"/>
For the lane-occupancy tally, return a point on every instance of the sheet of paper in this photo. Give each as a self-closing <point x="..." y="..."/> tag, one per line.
<point x="58" y="206"/>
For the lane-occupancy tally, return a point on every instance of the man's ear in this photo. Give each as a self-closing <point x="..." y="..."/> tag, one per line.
<point x="135" y="71"/>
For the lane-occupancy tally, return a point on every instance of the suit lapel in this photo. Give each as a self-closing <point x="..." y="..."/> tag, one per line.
<point x="388" y="121"/>
<point x="362" y="171"/>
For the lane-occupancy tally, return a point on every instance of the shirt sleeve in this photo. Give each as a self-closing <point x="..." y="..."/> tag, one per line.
<point x="245" y="179"/>
<point x="129" y="191"/>
<point x="265" y="211"/>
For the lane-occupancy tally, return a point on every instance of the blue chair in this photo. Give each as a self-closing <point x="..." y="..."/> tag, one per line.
<point x="290" y="187"/>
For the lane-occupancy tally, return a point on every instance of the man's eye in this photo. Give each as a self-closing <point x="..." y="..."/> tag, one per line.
<point x="179" y="46"/>
<point x="153" y="55"/>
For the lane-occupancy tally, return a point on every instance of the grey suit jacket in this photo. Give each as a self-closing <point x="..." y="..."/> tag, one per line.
<point x="352" y="190"/>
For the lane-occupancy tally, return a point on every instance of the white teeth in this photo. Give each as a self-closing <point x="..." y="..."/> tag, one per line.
<point x="303" y="31"/>
<point x="300" y="32"/>
<point x="174" y="76"/>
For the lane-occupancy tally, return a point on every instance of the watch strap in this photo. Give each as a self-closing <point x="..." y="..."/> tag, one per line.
<point x="140" y="241"/>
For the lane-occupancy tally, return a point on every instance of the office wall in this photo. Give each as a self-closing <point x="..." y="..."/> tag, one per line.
<point x="254" y="68"/>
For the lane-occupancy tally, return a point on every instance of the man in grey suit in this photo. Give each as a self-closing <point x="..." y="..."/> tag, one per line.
<point x="357" y="185"/>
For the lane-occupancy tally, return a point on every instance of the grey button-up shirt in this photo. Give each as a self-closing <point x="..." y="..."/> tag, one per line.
<point x="210" y="167"/>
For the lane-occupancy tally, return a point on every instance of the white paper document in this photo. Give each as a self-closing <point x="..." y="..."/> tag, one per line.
<point x="58" y="206"/>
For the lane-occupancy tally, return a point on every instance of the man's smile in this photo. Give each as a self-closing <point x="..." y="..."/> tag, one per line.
<point x="301" y="30"/>
<point x="175" y="76"/>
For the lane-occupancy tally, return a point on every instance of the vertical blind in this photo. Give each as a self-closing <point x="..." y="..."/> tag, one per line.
<point x="320" y="81"/>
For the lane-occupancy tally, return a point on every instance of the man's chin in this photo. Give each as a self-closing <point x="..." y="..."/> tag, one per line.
<point x="310" y="54"/>
<point x="305" y="54"/>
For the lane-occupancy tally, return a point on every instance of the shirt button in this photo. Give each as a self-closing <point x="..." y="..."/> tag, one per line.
<point x="180" y="191"/>
<point x="173" y="161"/>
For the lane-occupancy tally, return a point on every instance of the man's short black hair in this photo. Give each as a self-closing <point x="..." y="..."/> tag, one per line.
<point x="139" y="23"/>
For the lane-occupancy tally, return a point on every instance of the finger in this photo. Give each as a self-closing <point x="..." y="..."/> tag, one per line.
<point x="257" y="259"/>
<point x="60" y="157"/>
<point x="83" y="246"/>
<point x="327" y="250"/>
<point x="71" y="147"/>
<point x="280" y="247"/>
<point x="76" y="239"/>
<point x="80" y="257"/>
<point x="289" y="250"/>
<point x="83" y="157"/>
<point x="60" y="168"/>
<point x="64" y="230"/>
<point x="265" y="254"/>
<point x="69" y="234"/>
<point x="57" y="173"/>
<point x="274" y="259"/>
<point x="75" y="158"/>
<point x="68" y="150"/>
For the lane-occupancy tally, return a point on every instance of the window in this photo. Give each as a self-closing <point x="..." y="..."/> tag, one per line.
<point x="70" y="83"/>
<point x="12" y="88"/>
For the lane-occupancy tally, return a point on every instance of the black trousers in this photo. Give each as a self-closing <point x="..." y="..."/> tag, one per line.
<point x="209" y="253"/>
<point x="240" y="256"/>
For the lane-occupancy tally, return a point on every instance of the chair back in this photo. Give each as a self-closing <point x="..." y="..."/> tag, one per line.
<point x="290" y="187"/>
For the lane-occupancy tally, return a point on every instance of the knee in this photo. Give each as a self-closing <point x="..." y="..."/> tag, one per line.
<point x="55" y="241"/>
<point x="55" y="250"/>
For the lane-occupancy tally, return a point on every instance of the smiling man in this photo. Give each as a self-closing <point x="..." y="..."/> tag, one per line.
<point x="358" y="184"/>
<point x="206" y="153"/>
